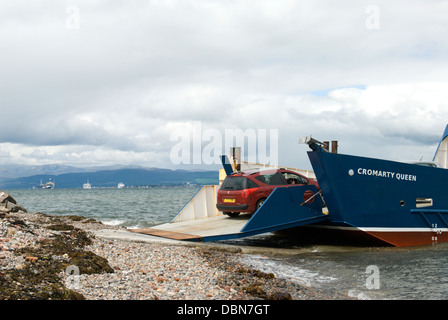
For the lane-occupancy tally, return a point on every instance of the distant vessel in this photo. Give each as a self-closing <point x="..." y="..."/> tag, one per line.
<point x="49" y="185"/>
<point x="120" y="185"/>
<point x="87" y="185"/>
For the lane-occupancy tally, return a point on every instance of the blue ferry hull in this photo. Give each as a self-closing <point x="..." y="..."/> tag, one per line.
<point x="396" y="203"/>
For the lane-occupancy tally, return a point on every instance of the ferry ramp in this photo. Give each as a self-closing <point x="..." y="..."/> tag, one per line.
<point x="199" y="220"/>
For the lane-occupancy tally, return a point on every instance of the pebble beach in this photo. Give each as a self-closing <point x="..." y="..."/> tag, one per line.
<point x="47" y="257"/>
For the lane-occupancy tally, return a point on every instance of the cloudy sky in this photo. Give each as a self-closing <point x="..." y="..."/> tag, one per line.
<point x="129" y="82"/>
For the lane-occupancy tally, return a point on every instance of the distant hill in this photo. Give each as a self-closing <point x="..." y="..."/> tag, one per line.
<point x="110" y="178"/>
<point x="16" y="171"/>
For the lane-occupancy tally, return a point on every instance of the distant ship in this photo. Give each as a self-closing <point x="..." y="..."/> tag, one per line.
<point x="87" y="185"/>
<point x="49" y="185"/>
<point x="120" y="185"/>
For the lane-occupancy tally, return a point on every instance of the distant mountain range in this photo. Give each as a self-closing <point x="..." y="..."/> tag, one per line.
<point x="27" y="177"/>
<point x="16" y="171"/>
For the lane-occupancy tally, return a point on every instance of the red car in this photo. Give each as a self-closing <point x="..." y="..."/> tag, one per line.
<point x="246" y="191"/>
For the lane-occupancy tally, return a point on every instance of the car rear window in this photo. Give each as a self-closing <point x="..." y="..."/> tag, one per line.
<point x="271" y="179"/>
<point x="237" y="183"/>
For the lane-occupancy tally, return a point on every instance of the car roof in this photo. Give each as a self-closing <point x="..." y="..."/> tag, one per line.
<point x="260" y="171"/>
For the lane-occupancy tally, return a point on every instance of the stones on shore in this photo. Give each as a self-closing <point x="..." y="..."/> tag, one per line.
<point x="58" y="257"/>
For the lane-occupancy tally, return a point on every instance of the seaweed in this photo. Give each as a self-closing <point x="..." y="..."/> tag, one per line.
<point x="38" y="278"/>
<point x="36" y="281"/>
<point x="89" y="263"/>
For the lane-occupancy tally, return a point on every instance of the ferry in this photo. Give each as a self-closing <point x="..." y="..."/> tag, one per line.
<point x="395" y="203"/>
<point x="360" y="200"/>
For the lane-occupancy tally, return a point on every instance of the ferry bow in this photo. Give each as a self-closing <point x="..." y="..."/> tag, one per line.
<point x="397" y="203"/>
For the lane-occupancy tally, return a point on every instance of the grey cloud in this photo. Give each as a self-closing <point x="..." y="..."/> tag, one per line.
<point x="134" y="69"/>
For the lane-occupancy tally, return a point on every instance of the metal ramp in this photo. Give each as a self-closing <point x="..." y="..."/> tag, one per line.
<point x="208" y="229"/>
<point x="285" y="208"/>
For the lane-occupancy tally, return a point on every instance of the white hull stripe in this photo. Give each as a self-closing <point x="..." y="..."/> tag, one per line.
<point x="403" y="229"/>
<point x="380" y="229"/>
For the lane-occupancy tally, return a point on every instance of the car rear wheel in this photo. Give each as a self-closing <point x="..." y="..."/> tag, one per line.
<point x="232" y="214"/>
<point x="259" y="203"/>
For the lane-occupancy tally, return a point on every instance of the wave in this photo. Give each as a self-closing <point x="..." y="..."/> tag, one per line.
<point x="293" y="273"/>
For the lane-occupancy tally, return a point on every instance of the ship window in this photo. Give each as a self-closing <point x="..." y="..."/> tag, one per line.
<point x="423" y="202"/>
<point x="402" y="203"/>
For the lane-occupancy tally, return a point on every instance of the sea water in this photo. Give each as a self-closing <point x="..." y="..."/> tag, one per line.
<point x="360" y="272"/>
<point x="127" y="207"/>
<point x="366" y="273"/>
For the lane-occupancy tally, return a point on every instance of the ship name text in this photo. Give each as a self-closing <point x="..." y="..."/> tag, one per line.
<point x="387" y="174"/>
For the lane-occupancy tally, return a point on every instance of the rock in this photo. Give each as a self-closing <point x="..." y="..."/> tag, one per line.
<point x="13" y="207"/>
<point x="5" y="197"/>
<point x="280" y="296"/>
<point x="31" y="259"/>
<point x="4" y="210"/>
<point x="9" y="204"/>
<point x="20" y="266"/>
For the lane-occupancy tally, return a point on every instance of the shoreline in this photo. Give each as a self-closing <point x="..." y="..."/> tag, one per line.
<point x="49" y="257"/>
